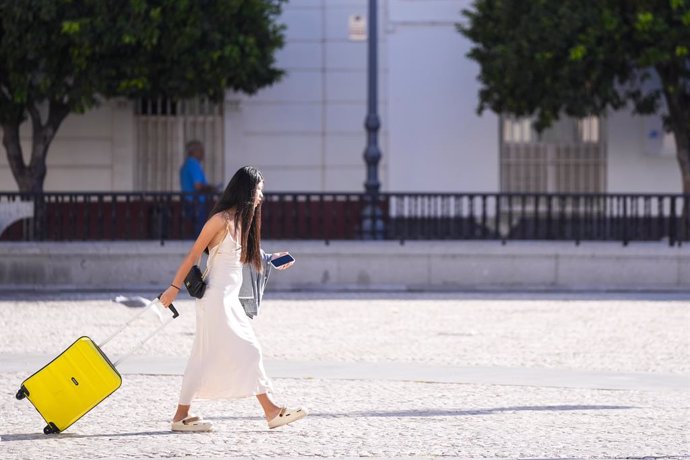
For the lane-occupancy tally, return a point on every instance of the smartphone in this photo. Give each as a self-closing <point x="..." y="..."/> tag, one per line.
<point x="282" y="260"/>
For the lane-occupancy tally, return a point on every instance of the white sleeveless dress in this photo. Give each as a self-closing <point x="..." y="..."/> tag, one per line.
<point x="226" y="360"/>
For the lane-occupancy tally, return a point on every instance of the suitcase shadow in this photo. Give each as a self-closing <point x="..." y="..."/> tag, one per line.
<point x="36" y="436"/>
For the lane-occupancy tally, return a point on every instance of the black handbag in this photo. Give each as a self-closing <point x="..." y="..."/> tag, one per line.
<point x="194" y="282"/>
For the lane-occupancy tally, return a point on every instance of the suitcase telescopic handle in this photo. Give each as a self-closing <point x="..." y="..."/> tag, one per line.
<point x="140" y="344"/>
<point x="171" y="307"/>
<point x="137" y="316"/>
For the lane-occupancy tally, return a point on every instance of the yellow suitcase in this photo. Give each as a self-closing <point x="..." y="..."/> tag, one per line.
<point x="75" y="382"/>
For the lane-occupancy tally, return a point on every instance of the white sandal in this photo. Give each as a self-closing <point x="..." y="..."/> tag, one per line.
<point x="192" y="423"/>
<point x="286" y="416"/>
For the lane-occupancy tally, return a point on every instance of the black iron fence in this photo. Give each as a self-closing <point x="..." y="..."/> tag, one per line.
<point x="348" y="216"/>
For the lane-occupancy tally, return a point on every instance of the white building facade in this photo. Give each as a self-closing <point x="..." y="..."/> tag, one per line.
<point x="307" y="132"/>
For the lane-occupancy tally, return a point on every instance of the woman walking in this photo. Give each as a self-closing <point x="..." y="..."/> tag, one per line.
<point x="226" y="360"/>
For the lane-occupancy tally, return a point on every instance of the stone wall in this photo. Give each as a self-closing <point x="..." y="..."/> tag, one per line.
<point x="356" y="265"/>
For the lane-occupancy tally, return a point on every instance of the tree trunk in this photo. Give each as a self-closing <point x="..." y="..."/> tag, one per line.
<point x="30" y="178"/>
<point x="680" y="127"/>
<point x="683" y="156"/>
<point x="683" y="145"/>
<point x="678" y="104"/>
<point x="20" y="171"/>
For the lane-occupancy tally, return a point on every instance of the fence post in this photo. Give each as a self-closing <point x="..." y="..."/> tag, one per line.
<point x="625" y="221"/>
<point x="672" y="229"/>
<point x="159" y="209"/>
<point x="685" y="220"/>
<point x="485" y="233"/>
<point x="575" y="218"/>
<point x="549" y="234"/>
<point x="100" y="217"/>
<point x="497" y="204"/>
<point x="372" y="218"/>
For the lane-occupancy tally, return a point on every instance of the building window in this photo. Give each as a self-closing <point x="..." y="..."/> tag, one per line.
<point x="569" y="157"/>
<point x="517" y="130"/>
<point x="163" y="106"/>
<point x="163" y="127"/>
<point x="588" y="129"/>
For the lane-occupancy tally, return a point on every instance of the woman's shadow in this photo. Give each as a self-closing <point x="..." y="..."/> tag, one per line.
<point x="447" y="412"/>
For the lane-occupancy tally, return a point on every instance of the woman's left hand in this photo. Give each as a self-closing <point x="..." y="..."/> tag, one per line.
<point x="275" y="255"/>
<point x="168" y="296"/>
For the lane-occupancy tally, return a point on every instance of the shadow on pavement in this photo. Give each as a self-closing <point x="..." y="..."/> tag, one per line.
<point x="445" y="412"/>
<point x="461" y="413"/>
<point x="37" y="436"/>
<point x="404" y="413"/>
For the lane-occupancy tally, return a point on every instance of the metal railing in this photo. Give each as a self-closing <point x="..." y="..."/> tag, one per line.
<point x="348" y="216"/>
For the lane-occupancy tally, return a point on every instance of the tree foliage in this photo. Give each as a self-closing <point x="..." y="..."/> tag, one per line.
<point x="63" y="56"/>
<point x="545" y="58"/>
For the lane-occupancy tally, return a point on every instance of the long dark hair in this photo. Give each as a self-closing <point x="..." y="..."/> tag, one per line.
<point x="240" y="194"/>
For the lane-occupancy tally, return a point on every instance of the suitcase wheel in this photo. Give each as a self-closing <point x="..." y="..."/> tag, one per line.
<point x="22" y="393"/>
<point x="50" y="428"/>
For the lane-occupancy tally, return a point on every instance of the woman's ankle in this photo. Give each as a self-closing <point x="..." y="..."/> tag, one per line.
<point x="180" y="416"/>
<point x="272" y="413"/>
<point x="270" y="408"/>
<point x="181" y="413"/>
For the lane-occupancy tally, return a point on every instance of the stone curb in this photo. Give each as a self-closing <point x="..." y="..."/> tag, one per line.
<point x="558" y="378"/>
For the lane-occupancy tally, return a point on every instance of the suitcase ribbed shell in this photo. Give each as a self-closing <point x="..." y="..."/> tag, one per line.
<point x="72" y="384"/>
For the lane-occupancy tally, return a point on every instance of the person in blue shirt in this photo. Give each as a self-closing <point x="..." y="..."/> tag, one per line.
<point x="194" y="184"/>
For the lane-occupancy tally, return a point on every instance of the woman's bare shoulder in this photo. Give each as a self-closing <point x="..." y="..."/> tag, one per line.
<point x="218" y="220"/>
<point x="224" y="219"/>
<point x="230" y="223"/>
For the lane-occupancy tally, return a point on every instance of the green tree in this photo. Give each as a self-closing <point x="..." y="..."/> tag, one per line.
<point x="545" y="58"/>
<point x="64" y="56"/>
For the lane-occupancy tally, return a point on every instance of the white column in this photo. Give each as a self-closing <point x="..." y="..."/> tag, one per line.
<point x="123" y="146"/>
<point x="233" y="136"/>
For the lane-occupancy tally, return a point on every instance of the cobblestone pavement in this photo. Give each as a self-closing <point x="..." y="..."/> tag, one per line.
<point x="625" y="333"/>
<point x="380" y="418"/>
<point x="368" y="418"/>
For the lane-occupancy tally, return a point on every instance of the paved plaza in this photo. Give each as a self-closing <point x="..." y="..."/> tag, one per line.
<point x="482" y="375"/>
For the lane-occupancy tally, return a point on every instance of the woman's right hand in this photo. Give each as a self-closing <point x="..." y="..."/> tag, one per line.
<point x="168" y="296"/>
